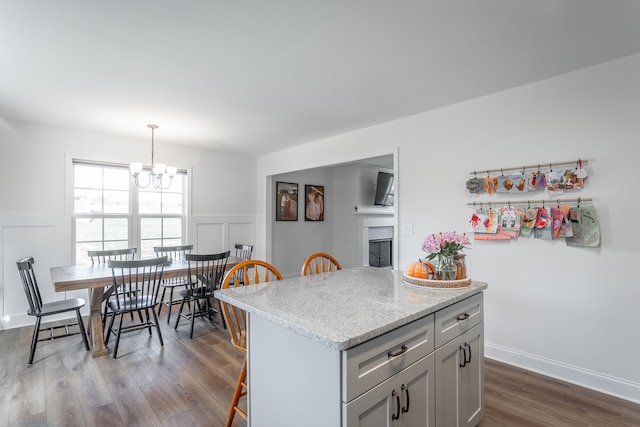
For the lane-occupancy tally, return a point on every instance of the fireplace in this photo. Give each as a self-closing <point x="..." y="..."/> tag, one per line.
<point x="380" y="246"/>
<point x="380" y="252"/>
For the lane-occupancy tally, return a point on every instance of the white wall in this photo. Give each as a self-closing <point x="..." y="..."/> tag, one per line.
<point x="35" y="187"/>
<point x="567" y="312"/>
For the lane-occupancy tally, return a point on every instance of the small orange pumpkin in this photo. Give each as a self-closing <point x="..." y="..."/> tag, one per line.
<point x="421" y="270"/>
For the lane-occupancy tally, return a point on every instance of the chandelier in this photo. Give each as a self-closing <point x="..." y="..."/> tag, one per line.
<point x="158" y="171"/>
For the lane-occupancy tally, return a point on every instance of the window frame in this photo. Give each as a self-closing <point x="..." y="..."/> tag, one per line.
<point x="134" y="217"/>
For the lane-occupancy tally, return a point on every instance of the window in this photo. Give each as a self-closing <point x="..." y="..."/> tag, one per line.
<point x="161" y="217"/>
<point x="110" y="212"/>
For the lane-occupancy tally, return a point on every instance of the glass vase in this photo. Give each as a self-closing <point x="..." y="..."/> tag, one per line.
<point x="446" y="269"/>
<point x="461" y="266"/>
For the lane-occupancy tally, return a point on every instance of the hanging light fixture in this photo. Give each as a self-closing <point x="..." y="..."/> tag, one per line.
<point x="158" y="171"/>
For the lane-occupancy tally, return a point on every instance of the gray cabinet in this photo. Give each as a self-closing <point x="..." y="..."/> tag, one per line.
<point x="404" y="400"/>
<point x="389" y="381"/>
<point x="459" y="364"/>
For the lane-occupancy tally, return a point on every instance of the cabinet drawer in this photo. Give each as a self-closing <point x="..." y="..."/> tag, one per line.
<point x="458" y="318"/>
<point x="372" y="362"/>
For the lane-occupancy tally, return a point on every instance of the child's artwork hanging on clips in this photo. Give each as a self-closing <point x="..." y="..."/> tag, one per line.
<point x="556" y="180"/>
<point x="578" y="225"/>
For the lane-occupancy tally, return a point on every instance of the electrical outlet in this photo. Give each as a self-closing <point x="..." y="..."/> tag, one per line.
<point x="407" y="229"/>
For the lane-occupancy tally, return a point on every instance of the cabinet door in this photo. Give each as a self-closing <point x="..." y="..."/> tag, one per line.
<point x="374" y="408"/>
<point x="472" y="378"/>
<point x="416" y="385"/>
<point x="460" y="380"/>
<point x="404" y="400"/>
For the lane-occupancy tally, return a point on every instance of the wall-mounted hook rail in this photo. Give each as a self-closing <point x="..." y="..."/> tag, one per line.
<point x="535" y="167"/>
<point x="529" y="202"/>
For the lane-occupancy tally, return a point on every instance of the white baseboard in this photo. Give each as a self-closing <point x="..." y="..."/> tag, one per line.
<point x="589" y="379"/>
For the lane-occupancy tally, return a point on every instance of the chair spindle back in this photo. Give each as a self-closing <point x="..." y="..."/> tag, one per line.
<point x="320" y="262"/>
<point x="104" y="256"/>
<point x="30" y="284"/>
<point x="252" y="272"/>
<point x="137" y="283"/>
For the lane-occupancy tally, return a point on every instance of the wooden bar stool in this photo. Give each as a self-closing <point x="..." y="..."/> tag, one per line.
<point x="252" y="272"/>
<point x="320" y="262"/>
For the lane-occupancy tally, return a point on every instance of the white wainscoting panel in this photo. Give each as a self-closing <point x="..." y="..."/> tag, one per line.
<point x="241" y="232"/>
<point x="209" y="238"/>
<point x="43" y="238"/>
<point x="218" y="233"/>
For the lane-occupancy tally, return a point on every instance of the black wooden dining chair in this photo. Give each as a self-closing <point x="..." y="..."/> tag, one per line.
<point x="174" y="253"/>
<point x="39" y="309"/>
<point x="104" y="256"/>
<point x="205" y="276"/>
<point x="136" y="286"/>
<point x="243" y="252"/>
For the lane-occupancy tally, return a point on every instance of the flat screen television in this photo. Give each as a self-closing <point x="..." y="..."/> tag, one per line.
<point x="384" y="189"/>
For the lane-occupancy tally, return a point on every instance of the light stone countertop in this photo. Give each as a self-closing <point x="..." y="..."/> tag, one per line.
<point x="344" y="308"/>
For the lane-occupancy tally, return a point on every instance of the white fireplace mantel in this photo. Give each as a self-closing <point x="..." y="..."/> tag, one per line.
<point x="374" y="210"/>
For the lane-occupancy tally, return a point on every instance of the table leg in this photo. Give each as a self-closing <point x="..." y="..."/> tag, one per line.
<point x="95" y="322"/>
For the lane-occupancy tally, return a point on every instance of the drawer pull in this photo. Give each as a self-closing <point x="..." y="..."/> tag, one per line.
<point x="406" y="391"/>
<point x="396" y="416"/>
<point x="398" y="353"/>
<point x="463" y="317"/>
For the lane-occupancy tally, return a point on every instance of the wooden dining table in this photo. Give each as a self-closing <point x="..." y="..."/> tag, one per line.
<point x="98" y="277"/>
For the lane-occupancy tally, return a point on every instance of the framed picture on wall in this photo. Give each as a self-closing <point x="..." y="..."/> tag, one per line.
<point x="314" y="203"/>
<point x="286" y="201"/>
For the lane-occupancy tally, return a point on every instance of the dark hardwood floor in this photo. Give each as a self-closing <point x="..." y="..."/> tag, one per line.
<point x="190" y="383"/>
<point x="516" y="397"/>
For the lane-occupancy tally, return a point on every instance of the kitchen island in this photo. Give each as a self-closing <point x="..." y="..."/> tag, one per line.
<point x="324" y="348"/>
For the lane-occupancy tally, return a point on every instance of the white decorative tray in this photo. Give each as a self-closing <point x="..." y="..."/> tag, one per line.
<point x="437" y="284"/>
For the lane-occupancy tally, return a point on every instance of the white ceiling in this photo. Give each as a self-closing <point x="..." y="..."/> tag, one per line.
<point x="257" y="76"/>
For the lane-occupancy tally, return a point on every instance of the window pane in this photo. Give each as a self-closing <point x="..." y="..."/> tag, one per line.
<point x="87" y="176"/>
<point x="81" y="251"/>
<point x="88" y="229"/>
<point x="87" y="201"/>
<point x="116" y="245"/>
<point x="116" y="201"/>
<point x="116" y="179"/>
<point x="171" y="242"/>
<point x="150" y="228"/>
<point x="150" y="202"/>
<point x="116" y="229"/>
<point x="147" y="248"/>
<point x="176" y="184"/>
<point x="172" y="228"/>
<point x="172" y="203"/>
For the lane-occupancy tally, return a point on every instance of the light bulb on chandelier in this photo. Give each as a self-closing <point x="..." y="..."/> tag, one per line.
<point x="158" y="171"/>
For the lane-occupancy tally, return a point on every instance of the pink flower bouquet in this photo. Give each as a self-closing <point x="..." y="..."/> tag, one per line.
<point x="445" y="245"/>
